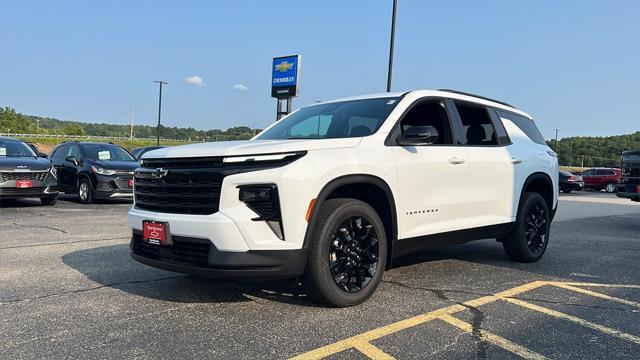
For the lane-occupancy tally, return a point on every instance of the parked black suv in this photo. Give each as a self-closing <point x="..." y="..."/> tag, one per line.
<point x="24" y="174"/>
<point x="94" y="170"/>
<point x="629" y="186"/>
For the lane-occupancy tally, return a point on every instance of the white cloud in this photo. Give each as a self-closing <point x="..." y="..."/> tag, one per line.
<point x="195" y="80"/>
<point x="240" y="87"/>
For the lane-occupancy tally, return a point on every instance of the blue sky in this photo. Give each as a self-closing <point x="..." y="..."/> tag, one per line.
<point x="572" y="65"/>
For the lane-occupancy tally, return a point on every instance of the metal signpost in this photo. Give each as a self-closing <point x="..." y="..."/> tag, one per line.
<point x="285" y="73"/>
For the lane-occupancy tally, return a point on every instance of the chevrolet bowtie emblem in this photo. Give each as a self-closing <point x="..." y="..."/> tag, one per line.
<point x="160" y="173"/>
<point x="284" y="66"/>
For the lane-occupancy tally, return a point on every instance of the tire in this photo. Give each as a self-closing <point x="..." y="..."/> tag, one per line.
<point x="332" y="254"/>
<point x="84" y="191"/>
<point x="567" y="190"/>
<point x="610" y="188"/>
<point x="48" y="201"/>
<point x="516" y="243"/>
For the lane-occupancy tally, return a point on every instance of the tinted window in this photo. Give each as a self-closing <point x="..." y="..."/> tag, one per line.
<point x="343" y="119"/>
<point x="503" y="137"/>
<point x="74" y="151"/>
<point x="60" y="152"/>
<point x="106" y="152"/>
<point x="526" y="125"/>
<point x="477" y="128"/>
<point x="430" y="113"/>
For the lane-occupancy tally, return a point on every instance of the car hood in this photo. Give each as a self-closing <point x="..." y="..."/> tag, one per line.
<point x="116" y="165"/>
<point x="250" y="147"/>
<point x="23" y="164"/>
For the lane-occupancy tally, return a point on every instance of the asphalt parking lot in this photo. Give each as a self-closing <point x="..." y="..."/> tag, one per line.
<point x="68" y="289"/>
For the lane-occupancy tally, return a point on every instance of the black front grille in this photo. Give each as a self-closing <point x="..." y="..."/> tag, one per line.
<point x="32" y="190"/>
<point x="181" y="252"/>
<point x="189" y="186"/>
<point x="8" y="176"/>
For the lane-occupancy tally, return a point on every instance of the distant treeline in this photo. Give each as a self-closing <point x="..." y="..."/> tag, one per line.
<point x="13" y="122"/>
<point x="572" y="151"/>
<point x="592" y="151"/>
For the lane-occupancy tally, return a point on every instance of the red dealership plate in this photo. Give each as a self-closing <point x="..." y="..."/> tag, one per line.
<point x="154" y="232"/>
<point x="24" y="184"/>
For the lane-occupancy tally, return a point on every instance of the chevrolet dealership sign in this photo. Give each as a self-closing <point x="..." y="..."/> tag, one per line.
<point x="285" y="72"/>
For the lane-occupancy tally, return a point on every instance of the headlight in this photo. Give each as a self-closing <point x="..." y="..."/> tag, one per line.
<point x="102" y="171"/>
<point x="54" y="172"/>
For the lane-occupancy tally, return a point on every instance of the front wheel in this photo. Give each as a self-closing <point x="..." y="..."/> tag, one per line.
<point x="85" y="192"/>
<point x="529" y="237"/>
<point x="567" y="190"/>
<point x="347" y="255"/>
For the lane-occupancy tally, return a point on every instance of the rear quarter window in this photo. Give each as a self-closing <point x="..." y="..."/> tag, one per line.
<point x="526" y="125"/>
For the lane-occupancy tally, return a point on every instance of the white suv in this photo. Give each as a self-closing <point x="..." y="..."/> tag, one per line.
<point x="335" y="191"/>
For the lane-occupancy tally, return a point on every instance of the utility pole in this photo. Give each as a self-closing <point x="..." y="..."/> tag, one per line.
<point x="159" y="110"/>
<point x="37" y="126"/>
<point x="132" y="119"/>
<point x="393" y="35"/>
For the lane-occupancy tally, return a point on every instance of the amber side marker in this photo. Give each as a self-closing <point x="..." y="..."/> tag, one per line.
<point x="312" y="204"/>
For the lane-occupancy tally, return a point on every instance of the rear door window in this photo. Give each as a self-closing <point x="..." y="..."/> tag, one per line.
<point x="525" y="124"/>
<point x="477" y="127"/>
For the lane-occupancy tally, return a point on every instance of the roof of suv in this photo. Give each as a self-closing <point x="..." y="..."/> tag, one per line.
<point x="454" y="94"/>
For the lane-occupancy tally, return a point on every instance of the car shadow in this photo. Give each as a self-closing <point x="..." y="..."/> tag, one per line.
<point x="112" y="266"/>
<point x="72" y="198"/>
<point x="20" y="203"/>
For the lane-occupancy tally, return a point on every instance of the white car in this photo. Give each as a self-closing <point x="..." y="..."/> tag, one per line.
<point x="335" y="191"/>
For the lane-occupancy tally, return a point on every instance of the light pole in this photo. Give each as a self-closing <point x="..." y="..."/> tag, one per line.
<point x="159" y="110"/>
<point x="393" y="35"/>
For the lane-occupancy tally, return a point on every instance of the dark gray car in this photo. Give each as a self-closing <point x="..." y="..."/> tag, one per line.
<point x="24" y="174"/>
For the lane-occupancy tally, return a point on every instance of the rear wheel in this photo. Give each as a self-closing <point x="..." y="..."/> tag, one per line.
<point x="610" y="188"/>
<point x="347" y="255"/>
<point x="567" y="190"/>
<point x="85" y="191"/>
<point x="529" y="238"/>
<point x="48" y="200"/>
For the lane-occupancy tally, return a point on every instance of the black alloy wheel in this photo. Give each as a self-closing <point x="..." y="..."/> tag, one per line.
<point x="353" y="254"/>
<point x="536" y="232"/>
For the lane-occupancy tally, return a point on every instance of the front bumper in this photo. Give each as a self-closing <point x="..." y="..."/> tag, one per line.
<point x="8" y="190"/>
<point x="113" y="186"/>
<point x="201" y="258"/>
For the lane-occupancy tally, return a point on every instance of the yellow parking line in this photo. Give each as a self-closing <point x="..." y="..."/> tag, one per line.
<point x="574" y="319"/>
<point x="596" y="284"/>
<point x="494" y="339"/>
<point x="372" y="351"/>
<point x="374" y="334"/>
<point x="595" y="294"/>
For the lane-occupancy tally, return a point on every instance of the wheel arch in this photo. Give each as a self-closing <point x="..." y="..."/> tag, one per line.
<point x="88" y="177"/>
<point x="540" y="183"/>
<point x="367" y="188"/>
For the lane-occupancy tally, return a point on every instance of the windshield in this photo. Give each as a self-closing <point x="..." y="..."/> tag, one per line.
<point x="344" y="119"/>
<point x="106" y="153"/>
<point x="15" y="149"/>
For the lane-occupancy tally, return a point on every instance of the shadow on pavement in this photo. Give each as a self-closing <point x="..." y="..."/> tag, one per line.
<point x="112" y="266"/>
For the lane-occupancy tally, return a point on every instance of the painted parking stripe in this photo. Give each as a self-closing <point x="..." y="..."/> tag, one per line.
<point x="494" y="339"/>
<point x="585" y="323"/>
<point x="595" y="294"/>
<point x="374" y="334"/>
<point x="362" y="342"/>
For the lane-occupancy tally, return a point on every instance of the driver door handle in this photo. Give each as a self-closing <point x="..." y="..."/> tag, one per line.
<point x="456" y="160"/>
<point x="515" y="161"/>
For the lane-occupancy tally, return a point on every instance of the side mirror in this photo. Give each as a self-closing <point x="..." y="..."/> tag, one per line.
<point x="43" y="155"/>
<point x="419" y="135"/>
<point x="72" y="159"/>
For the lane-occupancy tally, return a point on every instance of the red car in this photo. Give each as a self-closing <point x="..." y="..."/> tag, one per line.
<point x="601" y="178"/>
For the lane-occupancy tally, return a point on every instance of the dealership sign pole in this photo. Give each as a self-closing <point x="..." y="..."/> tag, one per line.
<point x="285" y="73"/>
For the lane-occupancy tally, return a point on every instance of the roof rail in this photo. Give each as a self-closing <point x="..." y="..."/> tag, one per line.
<point x="478" y="96"/>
